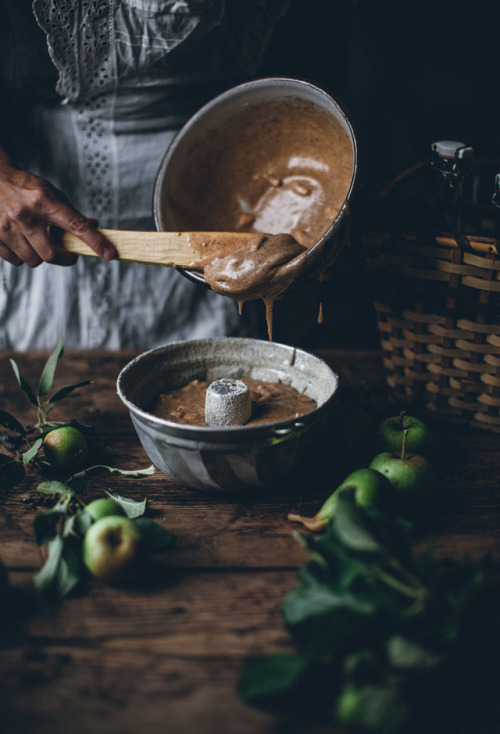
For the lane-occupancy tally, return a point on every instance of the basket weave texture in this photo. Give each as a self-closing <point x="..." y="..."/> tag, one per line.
<point x="438" y="315"/>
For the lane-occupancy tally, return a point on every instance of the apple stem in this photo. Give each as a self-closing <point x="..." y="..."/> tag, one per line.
<point x="403" y="445"/>
<point x="401" y="418"/>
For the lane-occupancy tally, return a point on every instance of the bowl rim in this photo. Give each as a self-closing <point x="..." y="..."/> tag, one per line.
<point x="276" y="429"/>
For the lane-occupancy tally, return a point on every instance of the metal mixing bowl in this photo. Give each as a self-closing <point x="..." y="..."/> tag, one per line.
<point x="232" y="458"/>
<point x="198" y="134"/>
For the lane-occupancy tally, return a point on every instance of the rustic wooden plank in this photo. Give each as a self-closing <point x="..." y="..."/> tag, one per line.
<point x="167" y="656"/>
<point x="129" y="661"/>
<point x="111" y="693"/>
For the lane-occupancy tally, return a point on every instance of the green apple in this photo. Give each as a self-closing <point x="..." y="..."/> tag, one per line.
<point x="66" y="448"/>
<point x="411" y="475"/>
<point x="390" y="432"/>
<point x="103" y="507"/>
<point x="111" y="548"/>
<point x="370" y="487"/>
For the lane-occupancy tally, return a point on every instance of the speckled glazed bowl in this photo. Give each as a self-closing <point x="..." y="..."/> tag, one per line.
<point x="232" y="458"/>
<point x="226" y="130"/>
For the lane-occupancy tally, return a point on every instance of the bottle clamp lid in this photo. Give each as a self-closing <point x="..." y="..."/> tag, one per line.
<point x="451" y="157"/>
<point x="450" y="148"/>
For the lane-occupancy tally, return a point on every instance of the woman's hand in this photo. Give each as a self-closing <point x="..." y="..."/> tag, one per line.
<point x="29" y="208"/>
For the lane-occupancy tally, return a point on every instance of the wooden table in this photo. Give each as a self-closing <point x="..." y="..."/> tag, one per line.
<point x="166" y="657"/>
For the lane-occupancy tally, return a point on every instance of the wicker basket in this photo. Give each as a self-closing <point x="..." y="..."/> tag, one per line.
<point x="438" y="314"/>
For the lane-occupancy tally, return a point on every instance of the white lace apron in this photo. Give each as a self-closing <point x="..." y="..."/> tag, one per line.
<point x="130" y="72"/>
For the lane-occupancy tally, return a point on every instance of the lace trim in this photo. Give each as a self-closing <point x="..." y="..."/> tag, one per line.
<point x="78" y="33"/>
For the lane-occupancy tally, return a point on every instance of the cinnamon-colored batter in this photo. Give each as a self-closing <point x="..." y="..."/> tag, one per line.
<point x="275" y="168"/>
<point x="263" y="269"/>
<point x="271" y="402"/>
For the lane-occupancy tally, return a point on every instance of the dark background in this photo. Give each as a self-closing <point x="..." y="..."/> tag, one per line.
<point x="408" y="73"/>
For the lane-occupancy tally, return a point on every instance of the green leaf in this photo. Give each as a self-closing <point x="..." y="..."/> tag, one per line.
<point x="63" y="392"/>
<point x="45" y="526"/>
<point x="53" y="487"/>
<point x="156" y="538"/>
<point x="351" y="526"/>
<point x="11" y="472"/>
<point x="78" y="524"/>
<point x="25" y="387"/>
<point x="292" y="685"/>
<point x="134" y="473"/>
<point x="324" y="619"/>
<point x="132" y="508"/>
<point x="405" y="654"/>
<point x="33" y="451"/>
<point x="62" y="570"/>
<point x="47" y="378"/>
<point x="129" y="472"/>
<point x="373" y="708"/>
<point x="265" y="679"/>
<point x="70" y="570"/>
<point x="46" y="577"/>
<point x="10" y="423"/>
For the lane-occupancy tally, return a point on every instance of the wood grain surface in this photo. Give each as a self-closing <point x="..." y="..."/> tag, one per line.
<point x="165" y="656"/>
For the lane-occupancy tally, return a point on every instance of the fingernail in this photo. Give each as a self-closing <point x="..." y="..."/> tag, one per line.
<point x="109" y="253"/>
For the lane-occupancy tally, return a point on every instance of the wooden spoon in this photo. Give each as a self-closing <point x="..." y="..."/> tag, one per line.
<point x="189" y="250"/>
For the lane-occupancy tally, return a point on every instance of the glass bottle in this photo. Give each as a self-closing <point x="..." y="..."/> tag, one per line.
<point x="452" y="163"/>
<point x="495" y="200"/>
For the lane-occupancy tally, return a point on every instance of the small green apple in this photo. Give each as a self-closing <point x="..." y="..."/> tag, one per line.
<point x="111" y="548"/>
<point x="103" y="507"/>
<point x="370" y="487"/>
<point x="66" y="448"/>
<point x="390" y="432"/>
<point x="411" y="475"/>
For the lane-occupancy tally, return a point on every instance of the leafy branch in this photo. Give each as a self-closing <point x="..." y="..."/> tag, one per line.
<point x="60" y="531"/>
<point x="44" y="407"/>
<point x="383" y="637"/>
<point x="26" y="443"/>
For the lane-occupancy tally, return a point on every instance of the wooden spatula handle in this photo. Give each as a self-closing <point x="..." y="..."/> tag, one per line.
<point x="174" y="249"/>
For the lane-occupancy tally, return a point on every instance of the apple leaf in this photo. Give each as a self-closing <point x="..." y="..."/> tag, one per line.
<point x="62" y="571"/>
<point x="45" y="526"/>
<point x="11" y="423"/>
<point x="321" y="617"/>
<point x="78" y="524"/>
<point x="33" y="451"/>
<point x="134" y="473"/>
<point x="52" y="487"/>
<point x="70" y="570"/>
<point x="132" y="508"/>
<point x="352" y="533"/>
<point x="25" y="387"/>
<point x="156" y="538"/>
<point x="67" y="390"/>
<point x="11" y="472"/>
<point x="45" y="578"/>
<point x="265" y="680"/>
<point x="47" y="377"/>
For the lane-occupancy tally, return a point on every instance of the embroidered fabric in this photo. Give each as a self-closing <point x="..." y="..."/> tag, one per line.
<point x="130" y="74"/>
